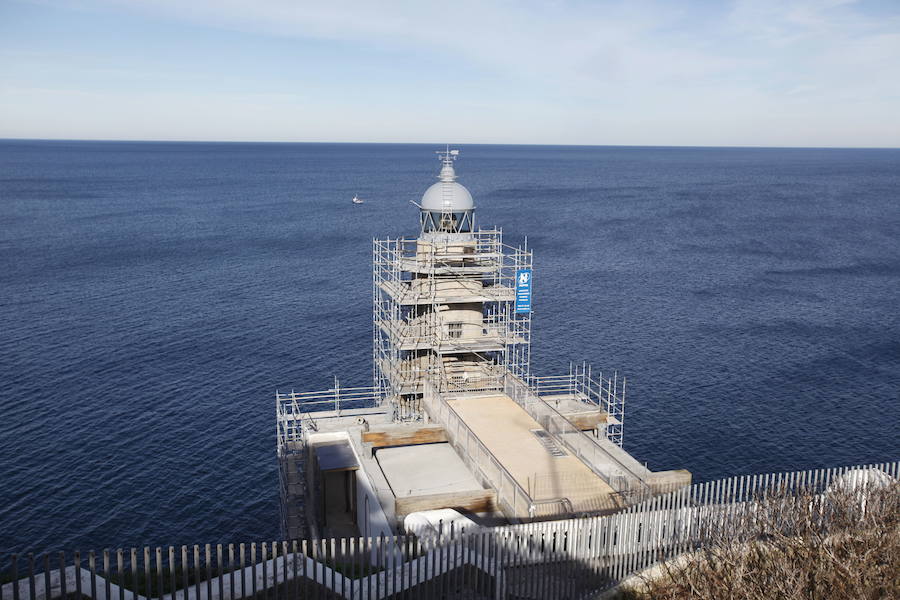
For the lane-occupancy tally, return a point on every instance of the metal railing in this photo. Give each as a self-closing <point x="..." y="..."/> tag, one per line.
<point x="607" y="393"/>
<point x="407" y="335"/>
<point x="482" y="248"/>
<point x="552" y="385"/>
<point x="621" y="478"/>
<point x="512" y="497"/>
<point x="298" y="410"/>
<point x="470" y="385"/>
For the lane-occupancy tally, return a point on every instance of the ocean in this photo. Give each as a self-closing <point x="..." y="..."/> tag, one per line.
<point x="153" y="296"/>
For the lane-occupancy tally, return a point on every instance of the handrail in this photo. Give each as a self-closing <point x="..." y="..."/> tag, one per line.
<point x="516" y="389"/>
<point x="296" y="411"/>
<point x="561" y="500"/>
<point x="509" y="491"/>
<point x="407" y="247"/>
<point x="431" y="332"/>
<point x="608" y="394"/>
<point x="333" y="398"/>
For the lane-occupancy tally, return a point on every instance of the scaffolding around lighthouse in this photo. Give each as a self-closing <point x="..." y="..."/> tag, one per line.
<point x="444" y="310"/>
<point x="455" y="418"/>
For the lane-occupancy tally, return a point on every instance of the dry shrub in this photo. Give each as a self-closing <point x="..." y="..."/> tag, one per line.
<point x="844" y="544"/>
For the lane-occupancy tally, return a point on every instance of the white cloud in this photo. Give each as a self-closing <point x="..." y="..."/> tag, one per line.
<point x="561" y="42"/>
<point x="602" y="72"/>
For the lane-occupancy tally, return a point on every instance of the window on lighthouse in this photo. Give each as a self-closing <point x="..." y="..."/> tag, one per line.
<point x="448" y="222"/>
<point x="456" y="222"/>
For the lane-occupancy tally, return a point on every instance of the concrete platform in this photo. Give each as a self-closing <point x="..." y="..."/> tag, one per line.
<point x="508" y="432"/>
<point x="425" y="469"/>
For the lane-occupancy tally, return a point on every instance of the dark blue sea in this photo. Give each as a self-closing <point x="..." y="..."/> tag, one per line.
<point x="154" y="295"/>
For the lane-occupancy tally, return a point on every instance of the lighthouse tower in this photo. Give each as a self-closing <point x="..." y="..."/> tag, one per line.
<point x="455" y="418"/>
<point x="452" y="307"/>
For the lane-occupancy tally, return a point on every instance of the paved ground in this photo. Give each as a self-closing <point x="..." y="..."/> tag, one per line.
<point x="506" y="429"/>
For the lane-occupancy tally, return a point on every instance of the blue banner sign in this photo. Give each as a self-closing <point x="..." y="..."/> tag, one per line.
<point x="523" y="291"/>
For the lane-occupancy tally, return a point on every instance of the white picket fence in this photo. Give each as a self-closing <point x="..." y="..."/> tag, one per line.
<point x="572" y="558"/>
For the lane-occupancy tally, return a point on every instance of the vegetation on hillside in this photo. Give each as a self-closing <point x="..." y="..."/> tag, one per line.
<point x="842" y="545"/>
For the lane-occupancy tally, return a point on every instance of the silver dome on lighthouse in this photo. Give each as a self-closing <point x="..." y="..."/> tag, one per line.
<point x="446" y="194"/>
<point x="447" y="206"/>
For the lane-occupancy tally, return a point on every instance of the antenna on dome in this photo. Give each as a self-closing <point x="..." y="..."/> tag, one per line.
<point x="447" y="157"/>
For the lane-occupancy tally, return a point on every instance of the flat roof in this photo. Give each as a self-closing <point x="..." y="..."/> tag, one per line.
<point x="534" y="461"/>
<point x="425" y="469"/>
<point x="336" y="456"/>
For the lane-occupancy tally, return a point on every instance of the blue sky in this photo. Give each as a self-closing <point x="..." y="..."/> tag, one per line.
<point x="760" y="73"/>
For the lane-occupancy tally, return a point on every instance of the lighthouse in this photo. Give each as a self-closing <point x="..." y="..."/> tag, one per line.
<point x="455" y="420"/>
<point x="445" y="309"/>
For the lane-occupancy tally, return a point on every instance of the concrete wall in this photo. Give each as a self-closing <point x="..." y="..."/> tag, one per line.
<point x="370" y="518"/>
<point x="469" y="314"/>
<point x="472" y="322"/>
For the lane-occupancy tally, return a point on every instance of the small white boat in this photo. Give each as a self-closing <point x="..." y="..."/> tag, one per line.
<point x="357" y="200"/>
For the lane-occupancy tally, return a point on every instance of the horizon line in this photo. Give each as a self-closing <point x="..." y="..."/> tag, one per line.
<point x="444" y="143"/>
